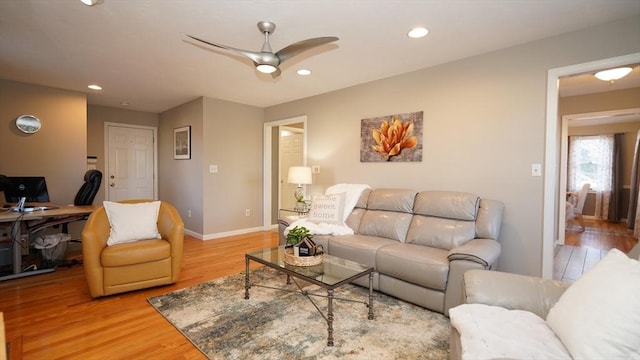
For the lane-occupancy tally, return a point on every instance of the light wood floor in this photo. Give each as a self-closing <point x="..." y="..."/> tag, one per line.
<point x="52" y="316"/>
<point x="584" y="249"/>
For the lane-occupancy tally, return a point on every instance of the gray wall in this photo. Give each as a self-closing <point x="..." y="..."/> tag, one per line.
<point x="225" y="134"/>
<point x="58" y="151"/>
<point x="484" y="125"/>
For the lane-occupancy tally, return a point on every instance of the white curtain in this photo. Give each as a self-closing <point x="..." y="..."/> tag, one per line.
<point x="591" y="161"/>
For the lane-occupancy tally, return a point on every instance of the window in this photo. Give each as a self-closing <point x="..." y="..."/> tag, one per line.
<point x="591" y="161"/>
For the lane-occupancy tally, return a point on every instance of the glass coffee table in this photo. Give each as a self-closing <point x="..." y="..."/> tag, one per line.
<point x="332" y="273"/>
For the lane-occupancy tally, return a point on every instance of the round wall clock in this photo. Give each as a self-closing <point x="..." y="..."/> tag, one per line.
<point x="28" y="124"/>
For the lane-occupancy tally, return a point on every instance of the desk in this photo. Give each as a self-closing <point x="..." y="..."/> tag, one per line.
<point x="16" y="217"/>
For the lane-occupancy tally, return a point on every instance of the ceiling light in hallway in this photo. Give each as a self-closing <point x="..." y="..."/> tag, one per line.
<point x="613" y="74"/>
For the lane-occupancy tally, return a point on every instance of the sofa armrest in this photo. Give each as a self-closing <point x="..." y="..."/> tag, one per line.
<point x="512" y="291"/>
<point x="481" y="251"/>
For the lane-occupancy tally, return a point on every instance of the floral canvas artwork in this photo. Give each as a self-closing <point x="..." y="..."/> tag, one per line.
<point x="392" y="138"/>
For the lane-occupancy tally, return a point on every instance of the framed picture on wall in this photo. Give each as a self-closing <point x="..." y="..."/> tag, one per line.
<point x="182" y="143"/>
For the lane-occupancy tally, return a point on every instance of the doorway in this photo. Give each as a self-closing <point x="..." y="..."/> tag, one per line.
<point x="130" y="162"/>
<point x="274" y="170"/>
<point x="553" y="192"/>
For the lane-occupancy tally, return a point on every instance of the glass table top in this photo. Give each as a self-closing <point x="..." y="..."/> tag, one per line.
<point x="332" y="272"/>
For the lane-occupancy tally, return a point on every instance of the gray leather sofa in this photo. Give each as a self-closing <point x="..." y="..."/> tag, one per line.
<point x="420" y="243"/>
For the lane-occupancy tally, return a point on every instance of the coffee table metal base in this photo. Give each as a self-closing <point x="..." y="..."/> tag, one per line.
<point x="328" y="317"/>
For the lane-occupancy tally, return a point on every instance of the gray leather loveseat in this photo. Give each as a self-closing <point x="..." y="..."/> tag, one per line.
<point x="420" y="243"/>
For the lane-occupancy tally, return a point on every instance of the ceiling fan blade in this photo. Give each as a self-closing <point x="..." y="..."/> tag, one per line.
<point x="302" y="46"/>
<point x="276" y="73"/>
<point x="255" y="56"/>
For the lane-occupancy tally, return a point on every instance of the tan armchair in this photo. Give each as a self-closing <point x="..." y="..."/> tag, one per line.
<point x="132" y="266"/>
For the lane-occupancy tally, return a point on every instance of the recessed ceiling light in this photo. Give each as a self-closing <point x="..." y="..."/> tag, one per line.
<point x="95" y="87"/>
<point x="304" y="72"/>
<point x="418" y="32"/>
<point x="124" y="103"/>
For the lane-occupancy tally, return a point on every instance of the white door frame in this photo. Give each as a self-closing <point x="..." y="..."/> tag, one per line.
<point x="551" y="192"/>
<point x="611" y="116"/>
<point x="294" y="130"/>
<point x="155" y="154"/>
<point x="266" y="163"/>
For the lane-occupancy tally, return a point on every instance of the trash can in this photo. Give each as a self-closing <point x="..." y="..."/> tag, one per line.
<point x="53" y="247"/>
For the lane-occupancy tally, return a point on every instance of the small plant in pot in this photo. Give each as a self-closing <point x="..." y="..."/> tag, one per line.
<point x="297" y="234"/>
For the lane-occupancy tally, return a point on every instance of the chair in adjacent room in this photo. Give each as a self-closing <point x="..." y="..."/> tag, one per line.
<point x="575" y="205"/>
<point x="112" y="267"/>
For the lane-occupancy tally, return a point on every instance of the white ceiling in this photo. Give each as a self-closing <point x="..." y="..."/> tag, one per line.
<point x="136" y="49"/>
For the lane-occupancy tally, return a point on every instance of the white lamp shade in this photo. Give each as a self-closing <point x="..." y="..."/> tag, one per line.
<point x="299" y="175"/>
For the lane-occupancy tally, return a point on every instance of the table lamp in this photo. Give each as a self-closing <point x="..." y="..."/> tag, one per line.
<point x="299" y="175"/>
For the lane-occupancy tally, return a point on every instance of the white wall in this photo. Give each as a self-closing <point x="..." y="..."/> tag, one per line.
<point x="484" y="125"/>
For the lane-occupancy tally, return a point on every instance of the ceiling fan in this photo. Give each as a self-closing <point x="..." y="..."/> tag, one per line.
<point x="266" y="61"/>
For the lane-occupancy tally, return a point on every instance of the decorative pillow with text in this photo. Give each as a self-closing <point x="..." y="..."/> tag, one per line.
<point x="328" y="209"/>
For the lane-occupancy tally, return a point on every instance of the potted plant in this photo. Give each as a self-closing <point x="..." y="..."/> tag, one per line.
<point x="297" y="234"/>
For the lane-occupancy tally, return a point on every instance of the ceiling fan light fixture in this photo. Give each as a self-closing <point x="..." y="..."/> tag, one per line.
<point x="613" y="74"/>
<point x="92" y="2"/>
<point x="418" y="32"/>
<point x="266" y="68"/>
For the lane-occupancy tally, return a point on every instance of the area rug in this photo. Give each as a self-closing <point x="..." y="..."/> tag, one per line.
<point x="275" y="324"/>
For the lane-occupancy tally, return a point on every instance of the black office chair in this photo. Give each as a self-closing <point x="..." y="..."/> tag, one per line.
<point x="89" y="189"/>
<point x="84" y="197"/>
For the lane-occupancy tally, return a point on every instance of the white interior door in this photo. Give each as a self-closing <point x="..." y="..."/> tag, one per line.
<point x="291" y="154"/>
<point x="130" y="162"/>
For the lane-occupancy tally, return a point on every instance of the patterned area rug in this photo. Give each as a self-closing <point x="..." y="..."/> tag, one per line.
<point x="275" y="324"/>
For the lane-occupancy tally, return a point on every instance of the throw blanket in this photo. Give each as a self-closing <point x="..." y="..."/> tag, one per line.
<point x="491" y="332"/>
<point x="352" y="192"/>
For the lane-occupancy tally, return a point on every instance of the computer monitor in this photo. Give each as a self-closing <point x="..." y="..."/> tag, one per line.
<point x="34" y="188"/>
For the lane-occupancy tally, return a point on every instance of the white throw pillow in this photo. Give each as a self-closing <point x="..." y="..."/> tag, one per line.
<point x="327" y="209"/>
<point x="132" y="222"/>
<point x="598" y="316"/>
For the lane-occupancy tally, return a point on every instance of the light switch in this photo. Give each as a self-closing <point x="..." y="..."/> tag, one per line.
<point x="213" y="169"/>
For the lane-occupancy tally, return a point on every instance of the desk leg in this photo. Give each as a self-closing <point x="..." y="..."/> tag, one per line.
<point x="17" y="251"/>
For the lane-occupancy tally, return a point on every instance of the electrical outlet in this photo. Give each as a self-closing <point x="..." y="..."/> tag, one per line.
<point x="536" y="170"/>
<point x="247" y="212"/>
<point x="315" y="169"/>
<point x="213" y="169"/>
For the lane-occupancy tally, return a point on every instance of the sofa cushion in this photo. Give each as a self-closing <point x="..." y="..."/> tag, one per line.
<point x="598" y="316"/>
<point x="388" y="224"/>
<point x="447" y="204"/>
<point x="398" y="200"/>
<point x="358" y="248"/>
<point x="492" y="332"/>
<point x="135" y="253"/>
<point x="440" y="233"/>
<point x="420" y="265"/>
